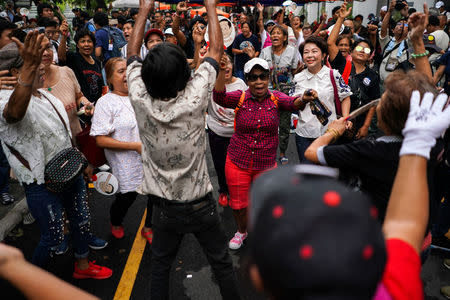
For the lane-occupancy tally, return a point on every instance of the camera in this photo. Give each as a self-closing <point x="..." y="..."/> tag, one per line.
<point x="399" y="5"/>
<point x="308" y="92"/>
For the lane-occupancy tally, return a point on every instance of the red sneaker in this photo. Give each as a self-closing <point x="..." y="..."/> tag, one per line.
<point x="148" y="235"/>
<point x="223" y="200"/>
<point x="117" y="231"/>
<point x="94" y="272"/>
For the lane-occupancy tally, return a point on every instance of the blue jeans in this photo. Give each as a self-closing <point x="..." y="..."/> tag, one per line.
<point x="47" y="208"/>
<point x="302" y="144"/>
<point x="4" y="172"/>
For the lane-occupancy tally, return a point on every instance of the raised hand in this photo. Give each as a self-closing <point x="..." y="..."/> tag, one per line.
<point x="32" y="49"/>
<point x="259" y="7"/>
<point x="324" y="18"/>
<point x="64" y="28"/>
<point x="345" y="11"/>
<point x="427" y="120"/>
<point x="181" y="7"/>
<point x="198" y="35"/>
<point x="146" y="5"/>
<point x="418" y="22"/>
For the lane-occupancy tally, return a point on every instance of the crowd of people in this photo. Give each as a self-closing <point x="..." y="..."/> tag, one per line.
<point x="132" y="90"/>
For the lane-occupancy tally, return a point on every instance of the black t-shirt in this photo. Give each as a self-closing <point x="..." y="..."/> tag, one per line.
<point x="338" y="63"/>
<point x="89" y="76"/>
<point x="365" y="88"/>
<point x="375" y="163"/>
<point x="241" y="42"/>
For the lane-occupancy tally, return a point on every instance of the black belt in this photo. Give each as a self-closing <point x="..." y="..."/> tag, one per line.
<point x="194" y="205"/>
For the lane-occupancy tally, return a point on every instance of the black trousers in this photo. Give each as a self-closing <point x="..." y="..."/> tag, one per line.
<point x="121" y="205"/>
<point x="219" y="147"/>
<point x="171" y="223"/>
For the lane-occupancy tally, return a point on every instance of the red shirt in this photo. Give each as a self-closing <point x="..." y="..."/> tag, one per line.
<point x="255" y="141"/>
<point x="402" y="273"/>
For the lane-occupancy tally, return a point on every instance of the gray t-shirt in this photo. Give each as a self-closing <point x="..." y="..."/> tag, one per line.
<point x="281" y="67"/>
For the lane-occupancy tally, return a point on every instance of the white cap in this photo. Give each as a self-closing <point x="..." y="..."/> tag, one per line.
<point x="256" y="62"/>
<point x="439" y="4"/>
<point x="384" y="8"/>
<point x="169" y="31"/>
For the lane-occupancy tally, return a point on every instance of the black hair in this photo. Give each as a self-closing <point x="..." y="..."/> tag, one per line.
<point x="47" y="22"/>
<point x="411" y="11"/>
<point x="101" y="19"/>
<point x="84" y="15"/>
<point x="319" y="42"/>
<point x="4" y="24"/>
<point x="204" y="14"/>
<point x="40" y="8"/>
<point x="82" y="33"/>
<point x="122" y="20"/>
<point x="283" y="31"/>
<point x="195" y="20"/>
<point x="342" y="37"/>
<point x="433" y="20"/>
<point x="165" y="71"/>
<point x="335" y="9"/>
<point x="133" y="12"/>
<point x="249" y="26"/>
<point x="19" y="34"/>
<point x="358" y="16"/>
<point x="361" y="40"/>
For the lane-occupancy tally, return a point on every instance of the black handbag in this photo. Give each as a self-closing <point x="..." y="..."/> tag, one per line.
<point x="61" y="171"/>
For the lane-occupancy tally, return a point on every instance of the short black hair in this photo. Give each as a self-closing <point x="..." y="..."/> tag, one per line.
<point x="133" y="12"/>
<point x="249" y="26"/>
<point x="411" y="10"/>
<point x="319" y="42"/>
<point x="165" y="71"/>
<point x="82" y="33"/>
<point x="4" y="24"/>
<point x="84" y="15"/>
<point x="358" y="16"/>
<point x="47" y="22"/>
<point x="40" y="8"/>
<point x="130" y="21"/>
<point x="361" y="40"/>
<point x="433" y="20"/>
<point x="101" y="19"/>
<point x="335" y="9"/>
<point x="122" y="20"/>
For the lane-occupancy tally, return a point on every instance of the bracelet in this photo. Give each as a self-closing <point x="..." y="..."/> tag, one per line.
<point x="20" y="82"/>
<point x="420" y="54"/>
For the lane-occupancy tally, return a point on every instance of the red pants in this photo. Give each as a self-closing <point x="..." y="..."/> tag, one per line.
<point x="239" y="181"/>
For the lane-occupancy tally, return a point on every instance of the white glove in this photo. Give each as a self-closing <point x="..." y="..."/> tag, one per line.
<point x="426" y="122"/>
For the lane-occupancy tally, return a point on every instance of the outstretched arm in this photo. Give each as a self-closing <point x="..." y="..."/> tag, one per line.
<point x="343" y="13"/>
<point x="135" y="43"/>
<point x="418" y="22"/>
<point x="181" y="10"/>
<point x="214" y="31"/>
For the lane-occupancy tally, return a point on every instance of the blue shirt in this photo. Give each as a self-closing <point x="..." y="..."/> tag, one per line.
<point x="445" y="60"/>
<point x="102" y="40"/>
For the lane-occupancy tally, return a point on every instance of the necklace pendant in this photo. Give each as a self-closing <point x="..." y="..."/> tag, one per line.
<point x="49" y="89"/>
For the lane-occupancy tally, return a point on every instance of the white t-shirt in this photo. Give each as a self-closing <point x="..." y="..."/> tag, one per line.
<point x="38" y="137"/>
<point x="221" y="119"/>
<point x="114" y="116"/>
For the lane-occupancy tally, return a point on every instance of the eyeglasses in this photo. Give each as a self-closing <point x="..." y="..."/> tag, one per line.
<point x="254" y="77"/>
<point x="361" y="48"/>
<point x="402" y="24"/>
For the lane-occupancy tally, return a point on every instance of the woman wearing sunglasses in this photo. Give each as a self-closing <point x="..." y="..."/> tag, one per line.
<point x="365" y="85"/>
<point x="253" y="146"/>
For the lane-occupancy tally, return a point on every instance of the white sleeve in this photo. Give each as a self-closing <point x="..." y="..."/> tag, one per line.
<point x="321" y="156"/>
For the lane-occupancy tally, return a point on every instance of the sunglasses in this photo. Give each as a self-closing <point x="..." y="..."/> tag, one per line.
<point x="402" y="24"/>
<point x="361" y="48"/>
<point x="254" y="77"/>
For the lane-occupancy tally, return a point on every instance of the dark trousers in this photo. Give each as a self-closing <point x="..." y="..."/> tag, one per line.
<point x="171" y="223"/>
<point x="440" y="214"/>
<point x="284" y="130"/>
<point x="121" y="205"/>
<point x="4" y="172"/>
<point x="219" y="146"/>
<point x="302" y="144"/>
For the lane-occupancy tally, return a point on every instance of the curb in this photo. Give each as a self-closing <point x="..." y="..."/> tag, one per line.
<point x="13" y="217"/>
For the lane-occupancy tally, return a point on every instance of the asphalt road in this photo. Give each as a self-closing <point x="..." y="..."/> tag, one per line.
<point x="191" y="276"/>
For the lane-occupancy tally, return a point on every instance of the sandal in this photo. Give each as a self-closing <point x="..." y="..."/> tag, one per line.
<point x="6" y="199"/>
<point x="284" y="160"/>
<point x="148" y="235"/>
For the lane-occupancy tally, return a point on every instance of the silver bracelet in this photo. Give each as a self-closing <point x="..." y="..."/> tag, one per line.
<point x="20" y="82"/>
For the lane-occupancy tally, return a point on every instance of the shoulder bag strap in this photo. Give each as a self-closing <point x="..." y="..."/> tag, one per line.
<point x="61" y="118"/>
<point x="389" y="52"/>
<point x="241" y="101"/>
<point x="337" y="103"/>
<point x="19" y="156"/>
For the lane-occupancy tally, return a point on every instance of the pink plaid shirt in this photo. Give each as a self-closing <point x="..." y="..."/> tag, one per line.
<point x="255" y="141"/>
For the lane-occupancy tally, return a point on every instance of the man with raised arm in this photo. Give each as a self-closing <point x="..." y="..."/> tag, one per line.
<point x="170" y="109"/>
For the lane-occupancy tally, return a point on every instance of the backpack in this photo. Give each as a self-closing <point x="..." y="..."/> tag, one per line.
<point x="117" y="39"/>
<point x="241" y="101"/>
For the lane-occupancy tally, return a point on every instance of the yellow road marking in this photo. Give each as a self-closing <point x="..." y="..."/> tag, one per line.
<point x="126" y="283"/>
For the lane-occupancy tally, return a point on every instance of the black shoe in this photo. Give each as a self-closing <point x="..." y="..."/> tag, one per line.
<point x="441" y="243"/>
<point x="6" y="199"/>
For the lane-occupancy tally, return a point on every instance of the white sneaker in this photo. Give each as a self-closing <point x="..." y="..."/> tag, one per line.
<point x="237" y="241"/>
